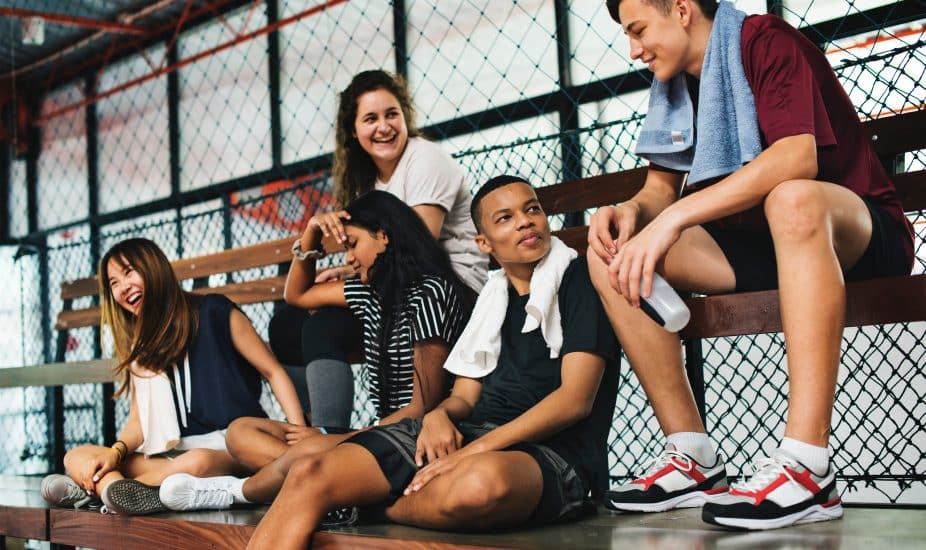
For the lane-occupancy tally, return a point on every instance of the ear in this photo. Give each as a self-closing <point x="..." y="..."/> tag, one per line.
<point x="683" y="11"/>
<point x="381" y="235"/>
<point x="483" y="244"/>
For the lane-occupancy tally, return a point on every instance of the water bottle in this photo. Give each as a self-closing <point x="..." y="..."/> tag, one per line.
<point x="665" y="306"/>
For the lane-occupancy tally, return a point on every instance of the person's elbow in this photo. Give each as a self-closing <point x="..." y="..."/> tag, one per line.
<point x="579" y="409"/>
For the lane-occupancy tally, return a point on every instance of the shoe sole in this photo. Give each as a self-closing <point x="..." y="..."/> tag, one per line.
<point x="694" y="499"/>
<point x="132" y="498"/>
<point x="813" y="514"/>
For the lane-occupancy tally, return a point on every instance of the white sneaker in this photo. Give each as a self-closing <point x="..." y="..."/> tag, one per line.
<point x="668" y="481"/>
<point x="185" y="492"/>
<point x="781" y="492"/>
<point x="61" y="490"/>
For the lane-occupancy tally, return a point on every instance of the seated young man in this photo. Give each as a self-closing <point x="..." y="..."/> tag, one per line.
<point x="523" y="435"/>
<point x="788" y="195"/>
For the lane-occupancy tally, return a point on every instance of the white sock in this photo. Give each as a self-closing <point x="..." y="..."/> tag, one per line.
<point x="237" y="490"/>
<point x="696" y="445"/>
<point x="815" y="458"/>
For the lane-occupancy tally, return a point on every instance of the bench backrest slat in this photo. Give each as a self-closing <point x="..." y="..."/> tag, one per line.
<point x="247" y="292"/>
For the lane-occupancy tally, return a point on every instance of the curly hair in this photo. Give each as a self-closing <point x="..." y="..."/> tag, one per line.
<point x="354" y="171"/>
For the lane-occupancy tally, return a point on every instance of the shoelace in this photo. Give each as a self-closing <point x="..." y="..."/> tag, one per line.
<point x="766" y="470"/>
<point x="211" y="496"/>
<point x="663" y="459"/>
<point x="76" y="495"/>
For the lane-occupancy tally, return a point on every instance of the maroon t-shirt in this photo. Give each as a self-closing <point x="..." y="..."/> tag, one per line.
<point x="797" y="92"/>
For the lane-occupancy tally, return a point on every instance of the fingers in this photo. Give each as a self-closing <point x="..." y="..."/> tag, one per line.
<point x="599" y="234"/>
<point x="419" y="456"/>
<point x="422" y="478"/>
<point x="331" y="224"/>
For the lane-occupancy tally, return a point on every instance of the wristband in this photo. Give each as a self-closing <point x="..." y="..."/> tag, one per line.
<point x="303" y="255"/>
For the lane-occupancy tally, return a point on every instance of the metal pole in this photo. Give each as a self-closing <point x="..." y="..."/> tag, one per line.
<point x="173" y="142"/>
<point x="400" y="37"/>
<point x="568" y="110"/>
<point x="273" y="67"/>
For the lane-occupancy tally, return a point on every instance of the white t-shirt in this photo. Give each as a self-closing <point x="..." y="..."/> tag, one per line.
<point x="426" y="174"/>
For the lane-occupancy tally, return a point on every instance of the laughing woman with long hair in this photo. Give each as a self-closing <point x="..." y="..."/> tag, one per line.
<point x="191" y="365"/>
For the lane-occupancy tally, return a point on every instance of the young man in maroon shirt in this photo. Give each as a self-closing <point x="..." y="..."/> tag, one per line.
<point x="813" y="209"/>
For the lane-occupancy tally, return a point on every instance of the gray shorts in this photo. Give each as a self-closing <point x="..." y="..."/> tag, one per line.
<point x="393" y="446"/>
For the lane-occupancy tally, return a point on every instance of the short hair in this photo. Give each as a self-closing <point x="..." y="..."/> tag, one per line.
<point x="475" y="210"/>
<point x="708" y="7"/>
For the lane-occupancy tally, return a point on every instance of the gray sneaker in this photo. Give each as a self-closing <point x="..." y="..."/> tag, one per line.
<point x="132" y="498"/>
<point x="61" y="490"/>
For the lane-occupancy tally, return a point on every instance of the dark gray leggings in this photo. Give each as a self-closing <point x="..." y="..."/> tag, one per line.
<point x="320" y="341"/>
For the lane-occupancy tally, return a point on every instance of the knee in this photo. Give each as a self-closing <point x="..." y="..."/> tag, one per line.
<point x="796" y="210"/>
<point x="75" y="456"/>
<point x="197" y="462"/>
<point x="239" y="432"/>
<point x="476" y="492"/>
<point x="307" y="472"/>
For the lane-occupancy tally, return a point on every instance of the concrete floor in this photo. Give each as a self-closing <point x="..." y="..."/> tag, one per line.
<point x="860" y="528"/>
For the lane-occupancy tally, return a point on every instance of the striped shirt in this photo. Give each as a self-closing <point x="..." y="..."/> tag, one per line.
<point x="431" y="309"/>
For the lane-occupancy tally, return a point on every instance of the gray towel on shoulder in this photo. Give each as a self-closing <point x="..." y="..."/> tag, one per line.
<point x="727" y="135"/>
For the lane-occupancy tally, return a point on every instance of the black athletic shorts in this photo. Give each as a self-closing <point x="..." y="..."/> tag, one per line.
<point x="752" y="253"/>
<point x="394" y="445"/>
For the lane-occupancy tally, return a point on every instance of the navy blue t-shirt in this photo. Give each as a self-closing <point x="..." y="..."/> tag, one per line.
<point x="225" y="386"/>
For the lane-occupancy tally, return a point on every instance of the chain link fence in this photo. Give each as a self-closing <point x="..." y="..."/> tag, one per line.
<point x="234" y="148"/>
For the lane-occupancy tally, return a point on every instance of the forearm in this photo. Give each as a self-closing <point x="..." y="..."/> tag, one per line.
<point x="131" y="433"/>
<point x="653" y="200"/>
<point x="412" y="410"/>
<point x="301" y="274"/>
<point x="456" y="408"/>
<point x="557" y="411"/>
<point x="285" y="393"/>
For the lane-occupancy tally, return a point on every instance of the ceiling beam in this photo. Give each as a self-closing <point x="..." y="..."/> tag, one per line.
<point x="72" y="20"/>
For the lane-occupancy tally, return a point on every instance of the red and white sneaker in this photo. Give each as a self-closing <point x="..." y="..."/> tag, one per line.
<point x="781" y="492"/>
<point x="670" y="480"/>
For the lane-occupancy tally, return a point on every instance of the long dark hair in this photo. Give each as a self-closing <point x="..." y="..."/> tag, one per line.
<point x="354" y="171"/>
<point x="412" y="253"/>
<point x="157" y="337"/>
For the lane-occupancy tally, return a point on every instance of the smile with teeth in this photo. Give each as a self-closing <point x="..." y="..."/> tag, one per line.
<point x="390" y="139"/>
<point x="133" y="298"/>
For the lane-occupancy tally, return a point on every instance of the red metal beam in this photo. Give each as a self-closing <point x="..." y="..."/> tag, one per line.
<point x="192" y="59"/>
<point x="73" y="20"/>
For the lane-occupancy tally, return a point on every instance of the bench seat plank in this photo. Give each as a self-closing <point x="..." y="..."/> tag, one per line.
<point x="873" y="302"/>
<point x="23" y="512"/>
<point x="96" y="371"/>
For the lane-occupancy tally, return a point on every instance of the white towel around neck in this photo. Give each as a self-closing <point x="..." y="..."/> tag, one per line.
<point x="156" y="414"/>
<point x="475" y="354"/>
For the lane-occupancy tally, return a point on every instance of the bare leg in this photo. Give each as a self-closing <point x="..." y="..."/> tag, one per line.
<point x="819" y="230"/>
<point x="346" y="475"/>
<point x="256" y="442"/>
<point x="198" y="462"/>
<point x="695" y="262"/>
<point x="484" y="491"/>
<point x="266" y="483"/>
